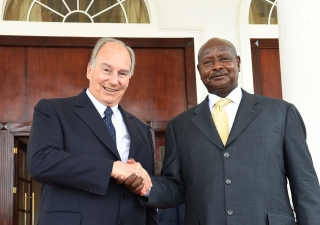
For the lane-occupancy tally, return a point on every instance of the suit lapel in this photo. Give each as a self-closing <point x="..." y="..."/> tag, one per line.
<point x="133" y="132"/>
<point x="247" y="111"/>
<point x="85" y="109"/>
<point x="203" y="121"/>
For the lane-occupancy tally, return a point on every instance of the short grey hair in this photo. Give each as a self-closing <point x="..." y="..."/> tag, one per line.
<point x="101" y="42"/>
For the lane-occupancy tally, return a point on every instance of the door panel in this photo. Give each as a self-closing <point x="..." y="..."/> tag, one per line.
<point x="12" y="82"/>
<point x="54" y="72"/>
<point x="266" y="67"/>
<point x="44" y="67"/>
<point x="157" y="90"/>
<point x="24" y="197"/>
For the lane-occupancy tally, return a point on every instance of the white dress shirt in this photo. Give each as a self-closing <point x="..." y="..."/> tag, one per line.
<point x="122" y="134"/>
<point x="232" y="108"/>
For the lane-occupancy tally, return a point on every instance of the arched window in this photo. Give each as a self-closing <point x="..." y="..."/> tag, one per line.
<point x="79" y="11"/>
<point x="263" y="12"/>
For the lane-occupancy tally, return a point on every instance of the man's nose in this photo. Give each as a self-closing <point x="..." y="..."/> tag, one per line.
<point x="217" y="65"/>
<point x="113" y="78"/>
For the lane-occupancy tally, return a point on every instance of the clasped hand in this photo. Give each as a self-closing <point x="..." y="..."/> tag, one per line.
<point x="133" y="176"/>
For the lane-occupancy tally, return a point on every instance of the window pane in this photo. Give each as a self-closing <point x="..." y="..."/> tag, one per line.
<point x="35" y="14"/>
<point x="136" y="11"/>
<point x="114" y="15"/>
<point x="72" y="4"/>
<point x="83" y="11"/>
<point x="42" y="14"/>
<point x="58" y="6"/>
<point x="83" y="4"/>
<point x="260" y="10"/>
<point x="16" y="10"/>
<point x="78" y="17"/>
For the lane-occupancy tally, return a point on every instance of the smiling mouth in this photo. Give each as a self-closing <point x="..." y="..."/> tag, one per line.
<point x="217" y="76"/>
<point x="108" y="89"/>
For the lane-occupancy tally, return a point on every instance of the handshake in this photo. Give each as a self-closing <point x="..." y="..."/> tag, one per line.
<point x="133" y="176"/>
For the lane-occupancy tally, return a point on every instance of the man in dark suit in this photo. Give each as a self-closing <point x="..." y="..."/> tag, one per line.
<point x="242" y="180"/>
<point x="75" y="157"/>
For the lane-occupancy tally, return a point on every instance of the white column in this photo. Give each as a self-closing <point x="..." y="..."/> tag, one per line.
<point x="299" y="44"/>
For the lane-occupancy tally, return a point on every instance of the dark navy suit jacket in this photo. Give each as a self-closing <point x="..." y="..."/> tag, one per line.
<point x="171" y="216"/>
<point x="71" y="153"/>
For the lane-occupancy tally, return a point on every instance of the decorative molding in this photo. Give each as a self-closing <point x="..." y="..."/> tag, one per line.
<point x="3" y="126"/>
<point x="6" y="171"/>
<point x="16" y="128"/>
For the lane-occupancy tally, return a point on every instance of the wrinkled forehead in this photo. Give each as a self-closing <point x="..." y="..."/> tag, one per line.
<point x="215" y="50"/>
<point x="211" y="51"/>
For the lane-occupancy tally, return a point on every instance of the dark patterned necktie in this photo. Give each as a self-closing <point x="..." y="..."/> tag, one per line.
<point x="107" y="120"/>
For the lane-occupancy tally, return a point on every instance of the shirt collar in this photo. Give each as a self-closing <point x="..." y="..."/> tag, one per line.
<point x="101" y="107"/>
<point x="235" y="96"/>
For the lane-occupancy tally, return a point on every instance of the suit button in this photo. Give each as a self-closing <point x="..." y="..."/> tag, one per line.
<point x="228" y="181"/>
<point x="226" y="154"/>
<point x="230" y="212"/>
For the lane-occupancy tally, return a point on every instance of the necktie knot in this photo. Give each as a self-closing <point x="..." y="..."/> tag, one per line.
<point x="108" y="112"/>
<point x="222" y="102"/>
<point x="107" y="120"/>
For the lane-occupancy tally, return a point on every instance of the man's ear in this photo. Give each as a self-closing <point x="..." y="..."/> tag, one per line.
<point x="89" y="71"/>
<point x="198" y="67"/>
<point x="238" y="62"/>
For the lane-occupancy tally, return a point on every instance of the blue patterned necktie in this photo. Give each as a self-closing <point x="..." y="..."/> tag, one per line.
<point x="107" y="120"/>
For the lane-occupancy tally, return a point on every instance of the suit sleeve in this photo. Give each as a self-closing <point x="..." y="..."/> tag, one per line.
<point x="303" y="180"/>
<point x="168" y="189"/>
<point x="152" y="217"/>
<point x="50" y="163"/>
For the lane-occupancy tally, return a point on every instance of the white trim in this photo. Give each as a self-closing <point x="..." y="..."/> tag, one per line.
<point x="123" y="10"/>
<point x="77" y="11"/>
<point x="66" y="5"/>
<point x="271" y="10"/>
<point x="248" y="31"/>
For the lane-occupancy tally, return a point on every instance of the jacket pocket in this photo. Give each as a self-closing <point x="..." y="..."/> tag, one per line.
<point x="61" y="218"/>
<point x="276" y="218"/>
<point x="192" y="220"/>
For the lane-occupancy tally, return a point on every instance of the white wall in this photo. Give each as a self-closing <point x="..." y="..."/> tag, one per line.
<point x="299" y="43"/>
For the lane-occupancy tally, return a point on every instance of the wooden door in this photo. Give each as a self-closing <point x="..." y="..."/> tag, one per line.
<point x="23" y="197"/>
<point x="163" y="85"/>
<point x="33" y="68"/>
<point x="266" y="67"/>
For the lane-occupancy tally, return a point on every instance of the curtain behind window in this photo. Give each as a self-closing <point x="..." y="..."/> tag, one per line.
<point x="135" y="9"/>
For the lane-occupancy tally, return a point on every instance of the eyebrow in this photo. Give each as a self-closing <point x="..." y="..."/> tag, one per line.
<point x="124" y="70"/>
<point x="106" y="64"/>
<point x="121" y="70"/>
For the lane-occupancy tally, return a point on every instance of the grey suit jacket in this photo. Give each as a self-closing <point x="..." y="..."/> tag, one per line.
<point x="244" y="182"/>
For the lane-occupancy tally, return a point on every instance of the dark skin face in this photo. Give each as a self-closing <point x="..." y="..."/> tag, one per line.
<point x="218" y="67"/>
